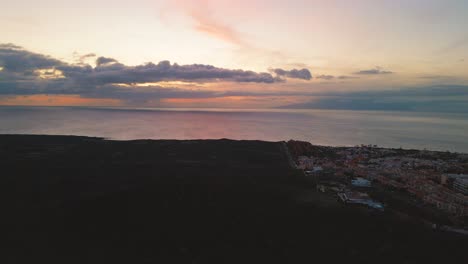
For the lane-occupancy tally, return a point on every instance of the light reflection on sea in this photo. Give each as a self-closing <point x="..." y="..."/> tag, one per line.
<point x="435" y="131"/>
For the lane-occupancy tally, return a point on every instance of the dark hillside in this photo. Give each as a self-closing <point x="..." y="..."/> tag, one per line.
<point x="89" y="200"/>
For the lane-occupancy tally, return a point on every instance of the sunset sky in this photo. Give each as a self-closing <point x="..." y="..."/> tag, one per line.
<point x="363" y="54"/>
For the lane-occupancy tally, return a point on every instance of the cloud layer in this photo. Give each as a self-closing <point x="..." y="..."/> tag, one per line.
<point x="303" y="74"/>
<point x="14" y="59"/>
<point x="27" y="73"/>
<point x="443" y="98"/>
<point x="375" y="71"/>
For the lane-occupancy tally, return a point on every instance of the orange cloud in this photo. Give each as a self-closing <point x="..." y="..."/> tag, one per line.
<point x="207" y="16"/>
<point x="210" y="26"/>
<point x="205" y="22"/>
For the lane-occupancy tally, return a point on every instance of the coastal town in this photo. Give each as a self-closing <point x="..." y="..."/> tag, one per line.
<point x="419" y="184"/>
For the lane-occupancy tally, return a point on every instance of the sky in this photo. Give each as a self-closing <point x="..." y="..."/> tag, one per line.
<point x="362" y="54"/>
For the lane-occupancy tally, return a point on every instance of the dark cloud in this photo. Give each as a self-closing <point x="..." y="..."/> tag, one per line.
<point x="103" y="61"/>
<point x="303" y="74"/>
<point x="375" y="71"/>
<point x="9" y="46"/>
<point x="325" y="77"/>
<point x="112" y="79"/>
<point x="14" y="59"/>
<point x="82" y="58"/>
<point x="443" y="98"/>
<point x="332" y="77"/>
<point x="345" y="77"/>
<point x="109" y="70"/>
<point x="435" y="91"/>
<point x="89" y="55"/>
<point x="436" y="77"/>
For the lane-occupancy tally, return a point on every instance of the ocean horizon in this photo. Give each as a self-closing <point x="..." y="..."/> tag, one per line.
<point x="411" y="130"/>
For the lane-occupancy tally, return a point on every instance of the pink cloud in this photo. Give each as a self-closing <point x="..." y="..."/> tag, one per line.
<point x="203" y="15"/>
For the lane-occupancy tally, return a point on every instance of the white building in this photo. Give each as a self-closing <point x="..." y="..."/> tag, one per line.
<point x="461" y="185"/>
<point x="361" y="182"/>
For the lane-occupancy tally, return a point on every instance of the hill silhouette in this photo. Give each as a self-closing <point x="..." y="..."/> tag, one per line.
<point x="90" y="200"/>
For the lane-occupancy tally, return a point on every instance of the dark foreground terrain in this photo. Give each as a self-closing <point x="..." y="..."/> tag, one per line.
<point x="87" y="200"/>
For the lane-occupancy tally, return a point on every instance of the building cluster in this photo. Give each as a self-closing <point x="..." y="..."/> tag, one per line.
<point x="438" y="179"/>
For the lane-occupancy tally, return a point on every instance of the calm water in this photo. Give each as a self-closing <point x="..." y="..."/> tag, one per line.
<point x="324" y="127"/>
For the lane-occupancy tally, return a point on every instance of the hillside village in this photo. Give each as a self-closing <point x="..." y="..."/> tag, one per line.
<point x="431" y="186"/>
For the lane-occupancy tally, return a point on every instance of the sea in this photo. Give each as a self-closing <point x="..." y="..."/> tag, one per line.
<point x="409" y="130"/>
